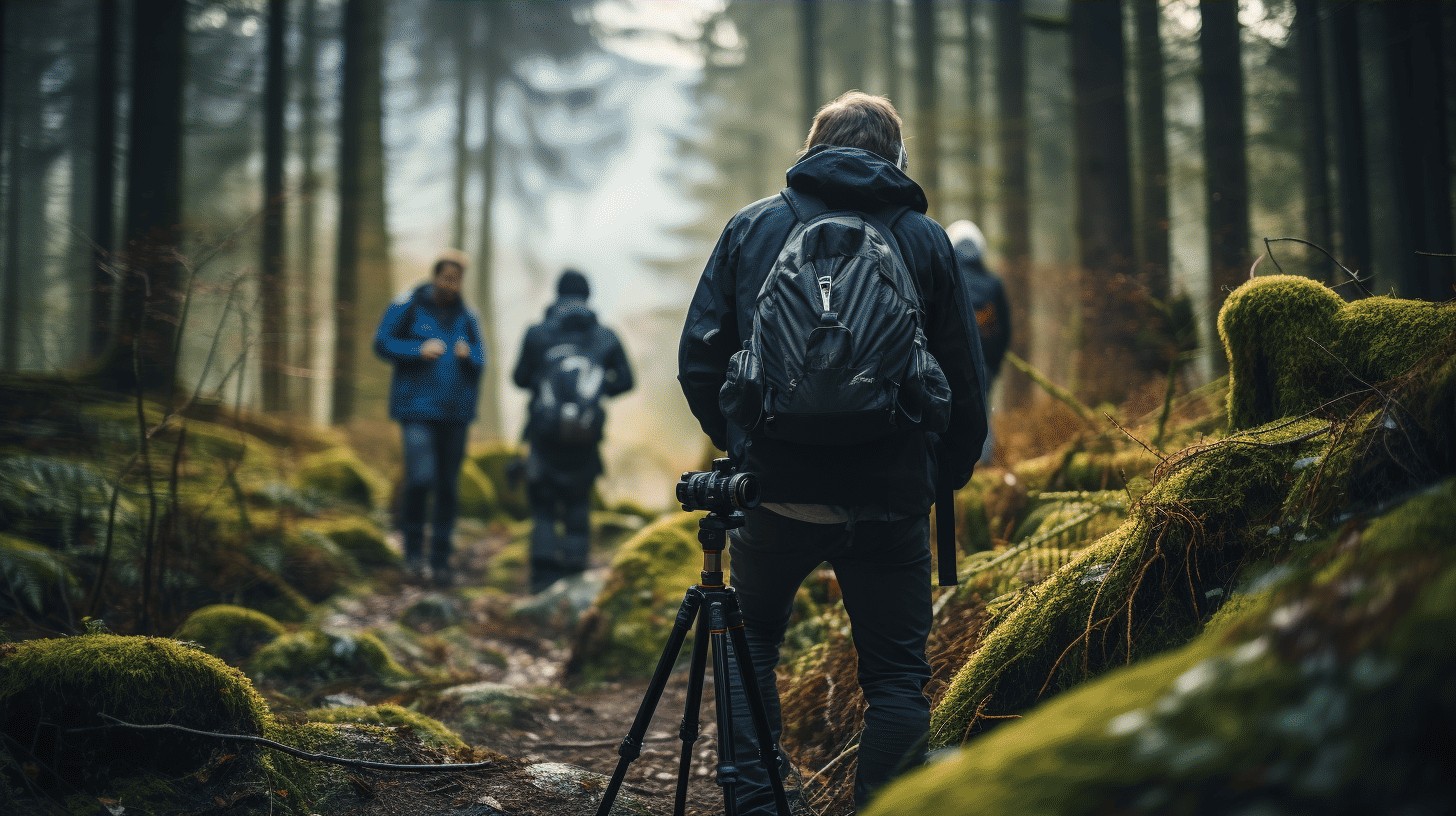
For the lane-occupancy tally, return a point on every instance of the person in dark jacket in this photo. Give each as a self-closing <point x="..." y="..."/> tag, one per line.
<point x="568" y="346"/>
<point x="862" y="508"/>
<point x="988" y="295"/>
<point x="434" y="341"/>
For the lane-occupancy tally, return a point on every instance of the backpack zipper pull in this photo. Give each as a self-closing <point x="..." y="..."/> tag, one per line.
<point x="825" y="283"/>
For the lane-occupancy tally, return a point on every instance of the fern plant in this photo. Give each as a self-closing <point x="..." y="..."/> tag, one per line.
<point x="60" y="502"/>
<point x="33" y="574"/>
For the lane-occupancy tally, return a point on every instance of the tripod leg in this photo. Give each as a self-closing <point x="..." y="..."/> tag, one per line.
<point x="631" y="746"/>
<point x="691" y="712"/>
<point x="768" y="750"/>
<point x="727" y="753"/>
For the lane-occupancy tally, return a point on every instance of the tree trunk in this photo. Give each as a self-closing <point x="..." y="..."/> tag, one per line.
<point x="144" y="354"/>
<point x="308" y="185"/>
<point x="273" y="291"/>
<point x="10" y="285"/>
<point x="490" y="415"/>
<point x="361" y="288"/>
<point x="1316" y="157"/>
<point x="927" y="103"/>
<point x="1421" y="162"/>
<point x="1350" y="151"/>
<point x="103" y="181"/>
<point x="891" y="52"/>
<point x="1225" y="162"/>
<point x="464" y="69"/>
<point x="1112" y="313"/>
<point x="1153" y="148"/>
<point x="975" y="170"/>
<point x="810" y="95"/>
<point x="1012" y="147"/>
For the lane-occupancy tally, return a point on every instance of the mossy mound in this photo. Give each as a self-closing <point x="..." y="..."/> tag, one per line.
<point x="477" y="495"/>
<point x="50" y="686"/>
<point x="360" y="539"/>
<point x="312" y="563"/>
<point x="1325" y="690"/>
<point x="495" y="461"/>
<point x="233" y="633"/>
<point x="1141" y="589"/>
<point x="622" y="634"/>
<point x="303" y="660"/>
<point x="1293" y="345"/>
<point x="340" y="474"/>
<point x="510" y="566"/>
<point x="428" y="730"/>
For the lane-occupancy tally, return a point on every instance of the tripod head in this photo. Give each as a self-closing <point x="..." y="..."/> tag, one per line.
<point x="713" y="535"/>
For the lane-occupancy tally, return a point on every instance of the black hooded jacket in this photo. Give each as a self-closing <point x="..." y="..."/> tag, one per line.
<point x="899" y="473"/>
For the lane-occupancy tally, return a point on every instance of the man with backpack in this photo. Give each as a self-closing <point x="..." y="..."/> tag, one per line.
<point x="433" y="340"/>
<point x="570" y="363"/>
<point x="831" y="348"/>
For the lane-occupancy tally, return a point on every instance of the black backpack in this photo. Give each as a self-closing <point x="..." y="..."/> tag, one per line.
<point x="837" y="353"/>
<point x="566" y="408"/>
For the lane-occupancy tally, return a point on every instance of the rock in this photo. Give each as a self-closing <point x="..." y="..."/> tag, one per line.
<point x="233" y="633"/>
<point x="485" y="704"/>
<point x="561" y="605"/>
<point x="432" y="613"/>
<point x="578" y="783"/>
<point x="339" y="474"/>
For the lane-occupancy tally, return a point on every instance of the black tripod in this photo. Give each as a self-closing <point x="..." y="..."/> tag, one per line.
<point x="715" y="607"/>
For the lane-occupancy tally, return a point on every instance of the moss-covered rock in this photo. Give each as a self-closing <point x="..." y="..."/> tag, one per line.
<point x="428" y="730"/>
<point x="477" y="494"/>
<point x="1326" y="691"/>
<point x="510" y="566"/>
<point x="360" y="539"/>
<point x="233" y="633"/>
<point x="340" y="474"/>
<point x="49" y="686"/>
<point x="1293" y="345"/>
<point x="311" y="562"/>
<point x="301" y="660"/>
<point x="495" y="461"/>
<point x="622" y="635"/>
<point x="1143" y="588"/>
<point x="487" y="706"/>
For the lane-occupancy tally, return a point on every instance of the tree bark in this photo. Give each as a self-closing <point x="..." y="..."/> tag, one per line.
<point x="1421" y="161"/>
<point x="810" y="95"/>
<point x="308" y="188"/>
<point x="976" y="198"/>
<point x="1112" y="314"/>
<point x="1224" y="152"/>
<point x="1012" y="134"/>
<point x="490" y="416"/>
<point x="1316" y="158"/>
<point x="362" y="284"/>
<point x="1153" y="248"/>
<point x="464" y="68"/>
<point x="1350" y="150"/>
<point x="891" y="52"/>
<point x="927" y="103"/>
<point x="273" y="292"/>
<point x="103" y="182"/>
<point x="10" y="296"/>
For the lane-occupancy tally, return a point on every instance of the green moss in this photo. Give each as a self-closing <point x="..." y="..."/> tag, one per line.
<point x="312" y="563"/>
<point x="1327" y="692"/>
<point x="623" y="633"/>
<point x="53" y="684"/>
<point x="360" y="539"/>
<point x="340" y="474"/>
<point x="477" y="493"/>
<point x="233" y="633"/>
<point x="309" y="657"/>
<point x="509" y="566"/>
<point x="427" y="729"/>
<point x="1293" y="345"/>
<point x="1143" y="588"/>
<point x="494" y="461"/>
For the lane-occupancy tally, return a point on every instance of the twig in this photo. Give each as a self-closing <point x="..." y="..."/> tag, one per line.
<point x="1087" y="415"/>
<point x="445" y="767"/>
<point x="1354" y="278"/>
<point x="1129" y="435"/>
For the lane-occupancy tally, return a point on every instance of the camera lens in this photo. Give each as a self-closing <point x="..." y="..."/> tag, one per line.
<point x="718" y="491"/>
<point x="743" y="490"/>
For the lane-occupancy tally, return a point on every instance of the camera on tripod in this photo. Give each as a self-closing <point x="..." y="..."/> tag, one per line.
<point x="720" y="490"/>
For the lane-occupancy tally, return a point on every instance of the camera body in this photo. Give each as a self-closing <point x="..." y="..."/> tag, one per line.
<point x="720" y="490"/>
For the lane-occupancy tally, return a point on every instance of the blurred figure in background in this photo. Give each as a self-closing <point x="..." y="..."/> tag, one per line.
<point x="993" y="314"/>
<point x="433" y="339"/>
<point x="570" y="363"/>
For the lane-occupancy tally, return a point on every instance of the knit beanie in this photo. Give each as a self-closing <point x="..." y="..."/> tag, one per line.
<point x="573" y="284"/>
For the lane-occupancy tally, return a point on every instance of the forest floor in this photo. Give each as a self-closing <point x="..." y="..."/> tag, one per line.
<point x="581" y="727"/>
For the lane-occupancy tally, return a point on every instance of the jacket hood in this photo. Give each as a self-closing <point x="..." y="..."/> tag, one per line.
<point x="968" y="240"/>
<point x="851" y="178"/>
<point x="572" y="314"/>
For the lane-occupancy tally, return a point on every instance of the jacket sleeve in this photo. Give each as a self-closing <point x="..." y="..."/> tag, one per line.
<point x="528" y="360"/>
<point x="710" y="337"/>
<point x="619" y="370"/>
<point x="955" y="342"/>
<point x="389" y="340"/>
<point x="476" y="361"/>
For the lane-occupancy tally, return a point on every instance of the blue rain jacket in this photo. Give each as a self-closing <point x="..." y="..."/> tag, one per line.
<point x="446" y="389"/>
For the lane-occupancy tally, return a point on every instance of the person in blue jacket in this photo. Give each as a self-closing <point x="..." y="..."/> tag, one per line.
<point x="433" y="340"/>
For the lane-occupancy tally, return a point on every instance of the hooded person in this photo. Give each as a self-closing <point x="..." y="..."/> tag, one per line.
<point x="433" y="340"/>
<point x="569" y="363"/>
<point x="988" y="296"/>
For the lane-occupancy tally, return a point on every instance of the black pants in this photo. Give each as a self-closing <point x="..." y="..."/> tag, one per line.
<point x="557" y="553"/>
<point x="433" y="452"/>
<point x="883" y="568"/>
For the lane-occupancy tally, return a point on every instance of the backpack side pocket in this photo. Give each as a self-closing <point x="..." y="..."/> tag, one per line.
<point x="741" y="397"/>
<point x="925" y="398"/>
